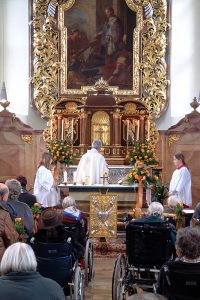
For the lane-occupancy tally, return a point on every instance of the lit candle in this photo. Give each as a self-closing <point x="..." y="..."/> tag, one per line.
<point x="65" y="177"/>
<point x="148" y="130"/>
<point x="62" y="132"/>
<point x="138" y="129"/>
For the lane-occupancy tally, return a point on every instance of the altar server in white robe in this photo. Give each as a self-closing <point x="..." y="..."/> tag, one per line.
<point x="92" y="166"/>
<point x="181" y="180"/>
<point x="44" y="186"/>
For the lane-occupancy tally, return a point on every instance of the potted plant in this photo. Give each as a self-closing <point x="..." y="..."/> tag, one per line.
<point x="159" y="192"/>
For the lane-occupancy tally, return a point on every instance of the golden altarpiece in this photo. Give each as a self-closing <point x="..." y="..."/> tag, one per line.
<point x="89" y="89"/>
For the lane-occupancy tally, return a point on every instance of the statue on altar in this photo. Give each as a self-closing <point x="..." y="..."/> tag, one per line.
<point x="92" y="166"/>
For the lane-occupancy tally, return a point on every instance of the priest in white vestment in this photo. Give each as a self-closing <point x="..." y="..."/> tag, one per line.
<point x="181" y="181"/>
<point x="92" y="166"/>
<point x="44" y="187"/>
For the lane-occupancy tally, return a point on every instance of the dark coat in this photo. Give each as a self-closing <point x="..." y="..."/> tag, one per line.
<point x="27" y="198"/>
<point x="157" y="219"/>
<point x="29" y="285"/>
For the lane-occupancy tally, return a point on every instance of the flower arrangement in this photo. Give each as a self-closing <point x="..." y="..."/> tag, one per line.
<point x="141" y="173"/>
<point x="178" y="210"/>
<point x="19" y="226"/>
<point x="62" y="152"/>
<point x="36" y="209"/>
<point x="142" y="151"/>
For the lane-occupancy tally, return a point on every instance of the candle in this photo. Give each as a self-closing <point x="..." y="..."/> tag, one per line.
<point x="138" y="129"/>
<point x="74" y="177"/>
<point x="148" y="130"/>
<point x="72" y="131"/>
<point x="127" y="133"/>
<point x="62" y="132"/>
<point x="65" y="177"/>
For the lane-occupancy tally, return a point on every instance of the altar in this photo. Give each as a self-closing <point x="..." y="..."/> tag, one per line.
<point x="127" y="195"/>
<point x="104" y="205"/>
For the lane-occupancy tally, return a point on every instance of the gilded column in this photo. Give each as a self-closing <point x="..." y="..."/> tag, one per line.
<point x="116" y="128"/>
<point x="83" y="128"/>
<point x="141" y="127"/>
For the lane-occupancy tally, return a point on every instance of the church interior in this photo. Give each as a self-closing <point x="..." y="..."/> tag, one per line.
<point x="122" y="72"/>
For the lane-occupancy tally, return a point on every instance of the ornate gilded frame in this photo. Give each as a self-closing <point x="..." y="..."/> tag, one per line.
<point x="150" y="80"/>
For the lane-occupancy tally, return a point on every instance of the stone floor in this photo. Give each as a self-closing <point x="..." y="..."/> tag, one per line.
<point x="101" y="286"/>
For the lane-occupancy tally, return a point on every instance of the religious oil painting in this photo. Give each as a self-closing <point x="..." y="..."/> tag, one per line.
<point x="99" y="43"/>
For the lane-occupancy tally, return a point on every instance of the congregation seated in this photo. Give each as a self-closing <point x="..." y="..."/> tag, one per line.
<point x="155" y="216"/>
<point x="8" y="235"/>
<point x="25" y="196"/>
<point x="180" y="279"/>
<point x="75" y="222"/>
<point x="22" y="210"/>
<point x="169" y="210"/>
<point x="20" y="280"/>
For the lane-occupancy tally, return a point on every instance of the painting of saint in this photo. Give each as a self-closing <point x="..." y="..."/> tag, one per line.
<point x="100" y="43"/>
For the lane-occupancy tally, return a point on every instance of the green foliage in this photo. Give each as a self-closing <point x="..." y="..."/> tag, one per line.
<point x="19" y="226"/>
<point x="159" y="192"/>
<point x="36" y="209"/>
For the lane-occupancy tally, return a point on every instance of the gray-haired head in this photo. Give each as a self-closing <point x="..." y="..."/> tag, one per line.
<point x="172" y="201"/>
<point x="68" y="201"/>
<point x="3" y="192"/>
<point x="18" y="257"/>
<point x="97" y="144"/>
<point x="155" y="209"/>
<point x="146" y="296"/>
<point x="188" y="242"/>
<point x="14" y="187"/>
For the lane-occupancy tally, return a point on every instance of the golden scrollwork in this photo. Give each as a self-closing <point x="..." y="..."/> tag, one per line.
<point x="173" y="138"/>
<point x="149" y="60"/>
<point x="27" y="138"/>
<point x="103" y="215"/>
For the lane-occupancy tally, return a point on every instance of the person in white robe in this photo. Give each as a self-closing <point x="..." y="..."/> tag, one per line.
<point x="44" y="186"/>
<point x="180" y="183"/>
<point x="92" y="166"/>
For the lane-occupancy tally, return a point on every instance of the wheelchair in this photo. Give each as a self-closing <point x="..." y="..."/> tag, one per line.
<point x="56" y="261"/>
<point x="148" y="247"/>
<point x="180" y="280"/>
<point x="82" y="242"/>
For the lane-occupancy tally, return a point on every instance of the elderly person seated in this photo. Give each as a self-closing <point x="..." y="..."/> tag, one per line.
<point x="155" y="215"/>
<point x="22" y="209"/>
<point x="172" y="202"/>
<point x="8" y="235"/>
<point x="188" y="254"/>
<point x="51" y="229"/>
<point x="76" y="222"/>
<point x="20" y="280"/>
<point x="25" y="196"/>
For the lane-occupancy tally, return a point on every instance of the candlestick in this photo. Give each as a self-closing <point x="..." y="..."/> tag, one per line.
<point x="62" y="131"/>
<point x="65" y="177"/>
<point x="138" y="129"/>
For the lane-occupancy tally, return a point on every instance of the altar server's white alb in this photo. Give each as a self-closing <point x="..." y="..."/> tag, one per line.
<point x="44" y="189"/>
<point x="92" y="166"/>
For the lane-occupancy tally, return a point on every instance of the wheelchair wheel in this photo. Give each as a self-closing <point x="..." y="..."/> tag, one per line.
<point x="89" y="262"/>
<point x="78" y="288"/>
<point x="118" y="278"/>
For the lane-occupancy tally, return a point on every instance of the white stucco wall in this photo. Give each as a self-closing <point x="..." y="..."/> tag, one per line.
<point x="185" y="60"/>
